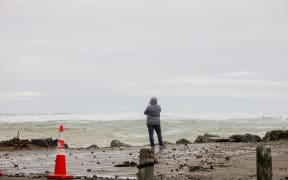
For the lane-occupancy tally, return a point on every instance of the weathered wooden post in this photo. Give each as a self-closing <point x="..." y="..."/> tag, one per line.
<point x="146" y="164"/>
<point x="264" y="163"/>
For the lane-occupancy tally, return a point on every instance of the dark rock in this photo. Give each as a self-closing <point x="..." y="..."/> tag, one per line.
<point x="210" y="138"/>
<point x="183" y="141"/>
<point x="194" y="168"/>
<point x="127" y="164"/>
<point x="210" y="135"/>
<point x="198" y="155"/>
<point x="49" y="142"/>
<point x="203" y="139"/>
<point x="93" y="146"/>
<point x="219" y="139"/>
<point x="245" y="138"/>
<point x="275" y="135"/>
<point x="199" y="168"/>
<point x="227" y="158"/>
<point x="24" y="143"/>
<point x="117" y="143"/>
<point x="94" y="177"/>
<point x="16" y="142"/>
<point x="19" y="175"/>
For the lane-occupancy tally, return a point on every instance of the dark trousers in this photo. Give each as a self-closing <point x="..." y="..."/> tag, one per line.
<point x="159" y="134"/>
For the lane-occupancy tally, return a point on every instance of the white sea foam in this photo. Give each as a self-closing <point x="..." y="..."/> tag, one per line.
<point x="82" y="130"/>
<point x="14" y="118"/>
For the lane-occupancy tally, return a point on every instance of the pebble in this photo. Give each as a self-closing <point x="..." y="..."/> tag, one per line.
<point x="199" y="156"/>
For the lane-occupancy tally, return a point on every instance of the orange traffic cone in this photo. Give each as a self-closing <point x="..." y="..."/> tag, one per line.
<point x="60" y="166"/>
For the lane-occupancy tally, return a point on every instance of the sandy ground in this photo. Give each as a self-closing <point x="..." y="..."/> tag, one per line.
<point x="217" y="161"/>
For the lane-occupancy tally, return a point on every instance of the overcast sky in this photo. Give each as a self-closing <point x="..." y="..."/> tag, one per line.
<point x="110" y="56"/>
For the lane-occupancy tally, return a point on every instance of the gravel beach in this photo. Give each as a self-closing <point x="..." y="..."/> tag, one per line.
<point x="178" y="162"/>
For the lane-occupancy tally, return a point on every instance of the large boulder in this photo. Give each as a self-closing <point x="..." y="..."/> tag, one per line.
<point x="25" y="143"/>
<point x="15" y="142"/>
<point x="210" y="138"/>
<point x="245" y="138"/>
<point x="49" y="142"/>
<point x="183" y="141"/>
<point x="275" y="135"/>
<point x="117" y="143"/>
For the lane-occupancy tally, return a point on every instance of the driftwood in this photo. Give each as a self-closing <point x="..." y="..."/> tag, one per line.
<point x="264" y="163"/>
<point x="146" y="164"/>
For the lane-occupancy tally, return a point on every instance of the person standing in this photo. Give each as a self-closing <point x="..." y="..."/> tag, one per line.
<point x="153" y="121"/>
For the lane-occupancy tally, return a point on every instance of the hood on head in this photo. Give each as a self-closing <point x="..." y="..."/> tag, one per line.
<point x="153" y="101"/>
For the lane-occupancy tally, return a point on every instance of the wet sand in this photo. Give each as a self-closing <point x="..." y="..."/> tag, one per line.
<point x="220" y="161"/>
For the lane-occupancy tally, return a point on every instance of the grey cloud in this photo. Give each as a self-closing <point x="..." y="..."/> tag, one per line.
<point x="80" y="51"/>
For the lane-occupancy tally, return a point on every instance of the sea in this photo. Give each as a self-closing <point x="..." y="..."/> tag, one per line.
<point x="83" y="130"/>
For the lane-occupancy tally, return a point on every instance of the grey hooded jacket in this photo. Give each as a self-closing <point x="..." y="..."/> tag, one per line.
<point x="153" y="112"/>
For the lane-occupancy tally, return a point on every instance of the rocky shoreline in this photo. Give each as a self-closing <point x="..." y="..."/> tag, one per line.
<point x="275" y="135"/>
<point x="178" y="161"/>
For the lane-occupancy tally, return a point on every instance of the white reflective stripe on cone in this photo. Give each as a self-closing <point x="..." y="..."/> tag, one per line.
<point x="61" y="135"/>
<point x="60" y="152"/>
